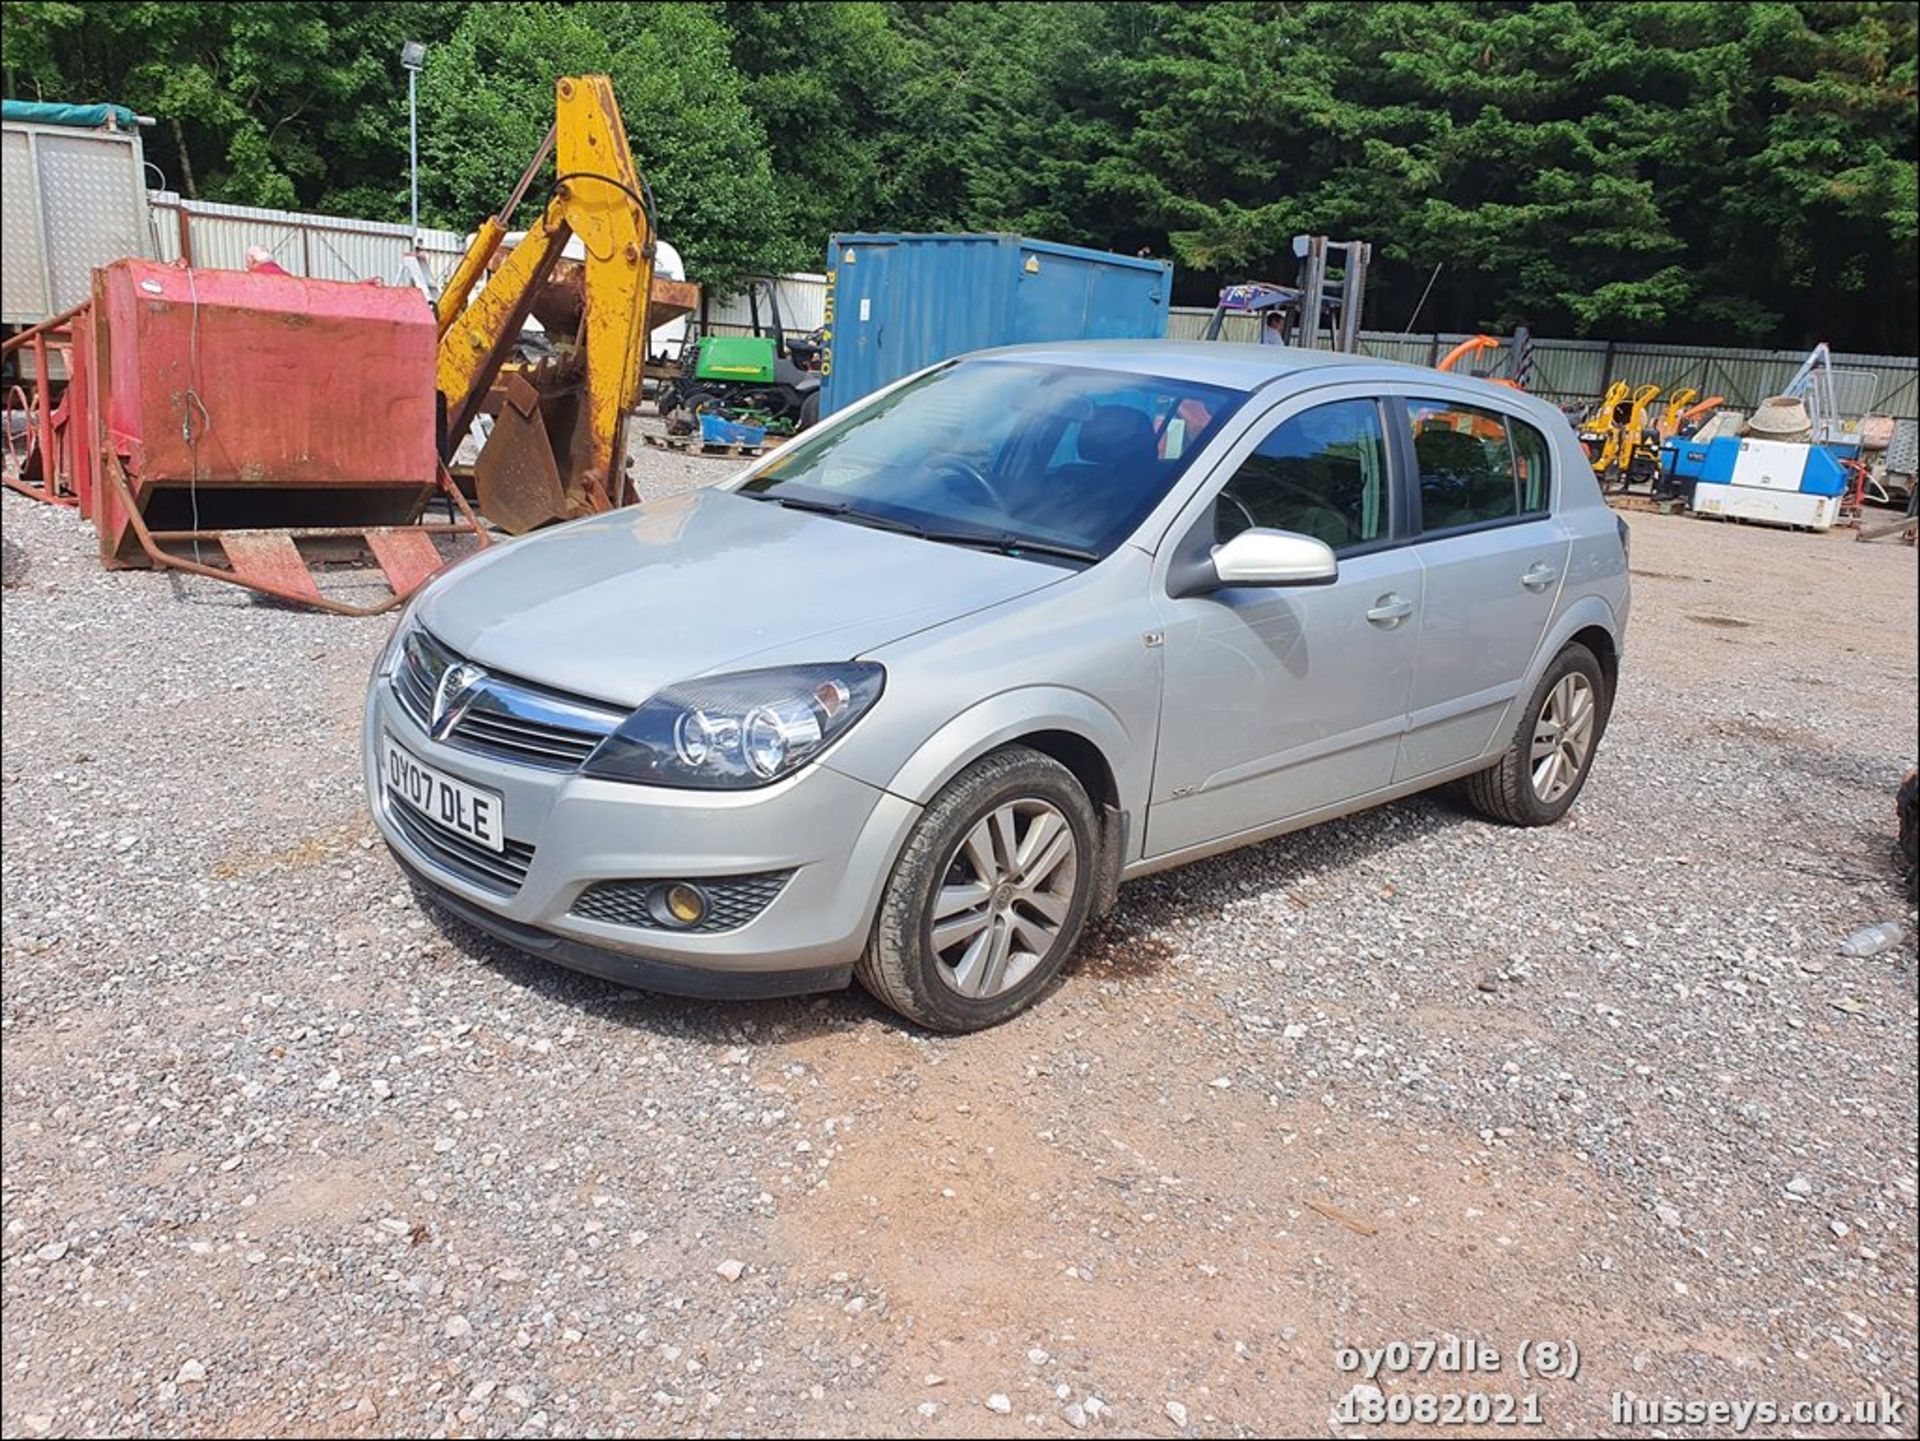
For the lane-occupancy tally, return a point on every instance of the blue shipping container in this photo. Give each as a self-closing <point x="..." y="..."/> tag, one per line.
<point x="898" y="303"/>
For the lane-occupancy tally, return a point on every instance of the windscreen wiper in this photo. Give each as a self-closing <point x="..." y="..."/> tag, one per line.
<point x="1007" y="543"/>
<point x="1002" y="542"/>
<point x="839" y="510"/>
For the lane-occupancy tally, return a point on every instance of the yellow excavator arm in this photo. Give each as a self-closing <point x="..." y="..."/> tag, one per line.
<point x="558" y="449"/>
<point x="1676" y="406"/>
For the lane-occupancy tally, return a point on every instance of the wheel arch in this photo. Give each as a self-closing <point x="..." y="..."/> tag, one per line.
<point x="1591" y="622"/>
<point x="1069" y="726"/>
<point x="1600" y="641"/>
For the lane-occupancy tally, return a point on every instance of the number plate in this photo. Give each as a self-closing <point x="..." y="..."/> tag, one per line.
<point x="468" y="811"/>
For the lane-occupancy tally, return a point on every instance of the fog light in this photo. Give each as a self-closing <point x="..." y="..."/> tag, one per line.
<point x="678" y="905"/>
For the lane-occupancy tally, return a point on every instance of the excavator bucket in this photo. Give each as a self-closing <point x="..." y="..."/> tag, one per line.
<point x="517" y="478"/>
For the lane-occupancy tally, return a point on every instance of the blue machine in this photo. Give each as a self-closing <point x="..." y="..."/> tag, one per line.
<point x="897" y="303"/>
<point x="1716" y="461"/>
<point x="1773" y="482"/>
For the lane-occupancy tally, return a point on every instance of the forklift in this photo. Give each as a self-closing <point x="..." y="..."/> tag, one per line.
<point x="1330" y="296"/>
<point x="768" y="378"/>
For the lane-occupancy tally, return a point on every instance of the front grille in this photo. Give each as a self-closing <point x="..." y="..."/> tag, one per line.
<point x="497" y="871"/>
<point x="504" y="718"/>
<point x="732" y="901"/>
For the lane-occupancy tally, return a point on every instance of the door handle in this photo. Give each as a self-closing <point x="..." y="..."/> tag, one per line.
<point x="1539" y="576"/>
<point x="1390" y="610"/>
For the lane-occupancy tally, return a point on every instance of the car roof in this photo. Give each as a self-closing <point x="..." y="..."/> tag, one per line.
<point x="1237" y="366"/>
<point x="1208" y="362"/>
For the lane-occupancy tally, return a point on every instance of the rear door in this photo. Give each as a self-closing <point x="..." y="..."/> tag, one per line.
<point x="1494" y="557"/>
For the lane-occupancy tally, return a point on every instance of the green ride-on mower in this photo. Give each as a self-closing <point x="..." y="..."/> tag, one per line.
<point x="768" y="378"/>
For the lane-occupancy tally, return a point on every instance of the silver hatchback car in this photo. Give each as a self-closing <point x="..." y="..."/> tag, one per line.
<point x="909" y="699"/>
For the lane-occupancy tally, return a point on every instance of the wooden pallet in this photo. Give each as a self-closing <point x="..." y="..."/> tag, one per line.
<point x="1627" y="500"/>
<point x="687" y="445"/>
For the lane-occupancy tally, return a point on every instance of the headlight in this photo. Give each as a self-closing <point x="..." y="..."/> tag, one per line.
<point x="734" y="732"/>
<point x="389" y="656"/>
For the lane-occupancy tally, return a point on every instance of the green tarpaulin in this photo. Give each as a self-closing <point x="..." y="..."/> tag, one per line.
<point x="85" y="117"/>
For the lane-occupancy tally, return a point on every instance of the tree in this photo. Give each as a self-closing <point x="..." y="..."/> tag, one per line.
<point x="1669" y="169"/>
<point x="487" y="99"/>
<point x="280" y="104"/>
<point x="816" y="77"/>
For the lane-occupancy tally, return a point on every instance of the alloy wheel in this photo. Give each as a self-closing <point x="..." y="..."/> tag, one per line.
<point x="1563" y="737"/>
<point x="1003" y="898"/>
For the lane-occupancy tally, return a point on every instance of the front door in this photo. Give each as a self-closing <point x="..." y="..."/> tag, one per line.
<point x="1281" y="701"/>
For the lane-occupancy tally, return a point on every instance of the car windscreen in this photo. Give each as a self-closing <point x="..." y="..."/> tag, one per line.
<point x="1057" y="456"/>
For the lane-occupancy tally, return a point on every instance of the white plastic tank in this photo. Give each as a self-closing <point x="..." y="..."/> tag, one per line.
<point x="667" y="339"/>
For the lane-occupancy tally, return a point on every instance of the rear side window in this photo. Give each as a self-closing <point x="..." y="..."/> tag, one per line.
<point x="1321" y="473"/>
<point x="1466" y="465"/>
<point x="1531" y="465"/>
<point x="1477" y="466"/>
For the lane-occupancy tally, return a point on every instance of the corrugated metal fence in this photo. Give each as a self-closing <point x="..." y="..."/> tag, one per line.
<point x="1564" y="371"/>
<point x="803" y="305"/>
<point x="1581" y="370"/>
<point x="324" y="247"/>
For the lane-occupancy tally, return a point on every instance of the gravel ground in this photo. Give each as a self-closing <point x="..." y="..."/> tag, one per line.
<point x="281" y="1155"/>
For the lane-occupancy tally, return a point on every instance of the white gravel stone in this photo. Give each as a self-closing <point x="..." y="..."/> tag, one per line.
<point x="170" y="1008"/>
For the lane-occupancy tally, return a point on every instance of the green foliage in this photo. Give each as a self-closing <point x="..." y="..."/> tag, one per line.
<point x="1677" y="169"/>
<point x="487" y="99"/>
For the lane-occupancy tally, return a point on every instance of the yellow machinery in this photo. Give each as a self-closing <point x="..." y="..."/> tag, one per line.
<point x="1683" y="406"/>
<point x="1677" y="404"/>
<point x="1617" y="435"/>
<point x="558" y="447"/>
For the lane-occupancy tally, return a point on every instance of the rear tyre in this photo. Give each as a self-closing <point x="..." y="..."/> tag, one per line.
<point x="810" y="410"/>
<point x="989" y="896"/>
<point x="1547" y="761"/>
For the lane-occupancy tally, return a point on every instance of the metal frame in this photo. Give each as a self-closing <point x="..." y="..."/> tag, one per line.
<point x="56" y="486"/>
<point x="270" y="561"/>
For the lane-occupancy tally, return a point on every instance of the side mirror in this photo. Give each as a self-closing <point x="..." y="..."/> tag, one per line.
<point x="1275" y="557"/>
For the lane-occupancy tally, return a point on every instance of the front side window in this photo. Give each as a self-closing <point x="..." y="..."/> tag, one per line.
<point x="1055" y="456"/>
<point x="1476" y="466"/>
<point x="1321" y="473"/>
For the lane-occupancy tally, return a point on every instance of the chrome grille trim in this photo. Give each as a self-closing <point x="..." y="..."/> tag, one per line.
<point x="500" y="872"/>
<point x="732" y="901"/>
<point x="506" y="718"/>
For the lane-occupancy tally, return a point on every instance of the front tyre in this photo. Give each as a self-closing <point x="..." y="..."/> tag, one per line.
<point x="1547" y="761"/>
<point x="989" y="895"/>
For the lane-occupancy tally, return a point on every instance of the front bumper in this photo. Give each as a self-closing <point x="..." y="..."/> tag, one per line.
<point x="837" y="835"/>
<point x="628" y="970"/>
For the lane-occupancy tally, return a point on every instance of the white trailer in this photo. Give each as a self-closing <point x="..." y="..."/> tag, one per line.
<point x="72" y="197"/>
